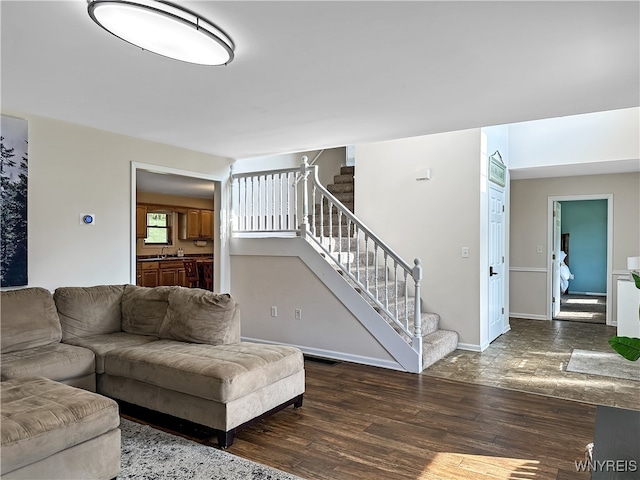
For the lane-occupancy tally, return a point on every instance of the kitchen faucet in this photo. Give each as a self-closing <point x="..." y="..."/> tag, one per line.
<point x="162" y="252"/>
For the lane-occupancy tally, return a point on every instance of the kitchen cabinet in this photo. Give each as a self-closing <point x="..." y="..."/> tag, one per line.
<point x="171" y="272"/>
<point x="196" y="224"/>
<point x="206" y="223"/>
<point x="141" y="221"/>
<point x="149" y="274"/>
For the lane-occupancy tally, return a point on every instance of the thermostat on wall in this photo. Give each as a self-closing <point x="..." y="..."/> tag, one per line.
<point x="87" y="219"/>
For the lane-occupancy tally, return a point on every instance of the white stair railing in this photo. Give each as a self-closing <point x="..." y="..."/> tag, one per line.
<point x="270" y="202"/>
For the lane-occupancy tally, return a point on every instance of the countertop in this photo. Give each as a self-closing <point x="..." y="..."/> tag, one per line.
<point x="174" y="258"/>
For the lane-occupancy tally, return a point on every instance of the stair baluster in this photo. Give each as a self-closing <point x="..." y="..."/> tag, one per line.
<point x="274" y="201"/>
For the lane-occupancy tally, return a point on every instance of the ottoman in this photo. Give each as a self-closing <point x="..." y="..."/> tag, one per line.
<point x="224" y="387"/>
<point x="55" y="431"/>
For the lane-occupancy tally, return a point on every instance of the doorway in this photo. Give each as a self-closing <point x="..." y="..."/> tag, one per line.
<point x="170" y="183"/>
<point x="579" y="280"/>
<point x="496" y="285"/>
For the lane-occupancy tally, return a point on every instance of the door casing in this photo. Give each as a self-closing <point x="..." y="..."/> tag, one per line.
<point x="550" y="247"/>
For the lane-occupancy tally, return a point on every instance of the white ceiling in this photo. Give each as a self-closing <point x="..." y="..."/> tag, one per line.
<point x="309" y="75"/>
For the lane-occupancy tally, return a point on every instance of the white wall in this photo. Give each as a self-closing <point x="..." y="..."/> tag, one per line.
<point x="73" y="170"/>
<point x="529" y="228"/>
<point x="610" y="136"/>
<point x="285" y="282"/>
<point x="430" y="219"/>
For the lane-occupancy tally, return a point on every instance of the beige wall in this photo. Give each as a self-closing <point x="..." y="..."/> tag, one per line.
<point x="529" y="228"/>
<point x="73" y="170"/>
<point x="430" y="219"/>
<point x="260" y="282"/>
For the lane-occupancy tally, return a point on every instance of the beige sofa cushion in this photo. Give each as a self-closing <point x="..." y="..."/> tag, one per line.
<point x="56" y="361"/>
<point x="144" y="309"/>
<point x="103" y="344"/>
<point x="221" y="373"/>
<point x="29" y="319"/>
<point x="41" y="417"/>
<point x="86" y="311"/>
<point x="199" y="316"/>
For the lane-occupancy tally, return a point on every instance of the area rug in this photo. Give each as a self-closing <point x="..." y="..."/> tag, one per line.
<point x="607" y="364"/>
<point x="148" y="453"/>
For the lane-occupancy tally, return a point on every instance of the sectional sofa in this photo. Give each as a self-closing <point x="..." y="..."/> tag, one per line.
<point x="171" y="349"/>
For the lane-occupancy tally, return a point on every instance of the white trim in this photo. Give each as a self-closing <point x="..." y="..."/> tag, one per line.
<point x="565" y="198"/>
<point x="472" y="347"/>
<point x="507" y="328"/>
<point x="221" y="261"/>
<point x="621" y="272"/>
<point x="528" y="316"/>
<point x="528" y="269"/>
<point x="346" y="357"/>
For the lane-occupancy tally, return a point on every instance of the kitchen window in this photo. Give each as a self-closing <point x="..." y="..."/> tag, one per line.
<point x="158" y="228"/>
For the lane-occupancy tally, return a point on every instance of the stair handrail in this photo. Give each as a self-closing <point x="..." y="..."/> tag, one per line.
<point x="312" y="162"/>
<point x="295" y="212"/>
<point x="415" y="271"/>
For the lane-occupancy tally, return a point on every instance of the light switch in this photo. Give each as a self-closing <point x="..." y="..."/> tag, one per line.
<point x="539" y="249"/>
<point x="465" y="252"/>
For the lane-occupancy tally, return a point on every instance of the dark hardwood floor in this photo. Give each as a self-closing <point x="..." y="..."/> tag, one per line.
<point x="360" y="422"/>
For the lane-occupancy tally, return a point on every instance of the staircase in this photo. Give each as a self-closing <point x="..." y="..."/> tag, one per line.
<point x="437" y="343"/>
<point x="387" y="287"/>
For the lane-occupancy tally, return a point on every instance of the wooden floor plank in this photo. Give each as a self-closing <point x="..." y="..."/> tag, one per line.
<point x="362" y="423"/>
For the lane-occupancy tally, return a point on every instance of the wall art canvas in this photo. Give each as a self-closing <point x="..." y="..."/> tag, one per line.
<point x="13" y="201"/>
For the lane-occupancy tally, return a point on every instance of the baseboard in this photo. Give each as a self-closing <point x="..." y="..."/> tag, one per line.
<point x="472" y="347"/>
<point x="345" y="357"/>
<point x="528" y="316"/>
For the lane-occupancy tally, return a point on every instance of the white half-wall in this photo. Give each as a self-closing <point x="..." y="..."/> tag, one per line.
<point x="73" y="170"/>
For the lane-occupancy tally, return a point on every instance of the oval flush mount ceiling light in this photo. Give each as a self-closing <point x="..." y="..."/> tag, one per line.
<point x="163" y="28"/>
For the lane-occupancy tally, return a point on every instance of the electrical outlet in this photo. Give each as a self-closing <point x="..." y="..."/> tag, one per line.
<point x="274" y="311"/>
<point x="298" y="314"/>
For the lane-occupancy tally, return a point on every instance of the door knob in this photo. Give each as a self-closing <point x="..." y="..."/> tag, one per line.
<point x="491" y="272"/>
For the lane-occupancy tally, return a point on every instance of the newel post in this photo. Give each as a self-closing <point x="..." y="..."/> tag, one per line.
<point x="304" y="172"/>
<point x="416" y="273"/>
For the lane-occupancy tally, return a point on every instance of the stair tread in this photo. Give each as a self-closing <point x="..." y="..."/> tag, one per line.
<point x="438" y="345"/>
<point x="341" y="188"/>
<point x="348" y="178"/>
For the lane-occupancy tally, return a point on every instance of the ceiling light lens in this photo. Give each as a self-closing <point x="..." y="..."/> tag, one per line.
<point x="164" y="30"/>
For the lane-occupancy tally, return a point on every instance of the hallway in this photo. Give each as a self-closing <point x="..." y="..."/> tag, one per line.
<point x="533" y="357"/>
<point x="583" y="308"/>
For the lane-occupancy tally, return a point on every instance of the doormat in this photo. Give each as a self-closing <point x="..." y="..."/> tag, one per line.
<point x="606" y="364"/>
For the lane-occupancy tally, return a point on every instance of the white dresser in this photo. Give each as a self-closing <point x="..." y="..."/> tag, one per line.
<point x="627" y="309"/>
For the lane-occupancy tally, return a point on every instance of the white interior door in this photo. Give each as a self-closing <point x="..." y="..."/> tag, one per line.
<point x="555" y="259"/>
<point x="496" y="262"/>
